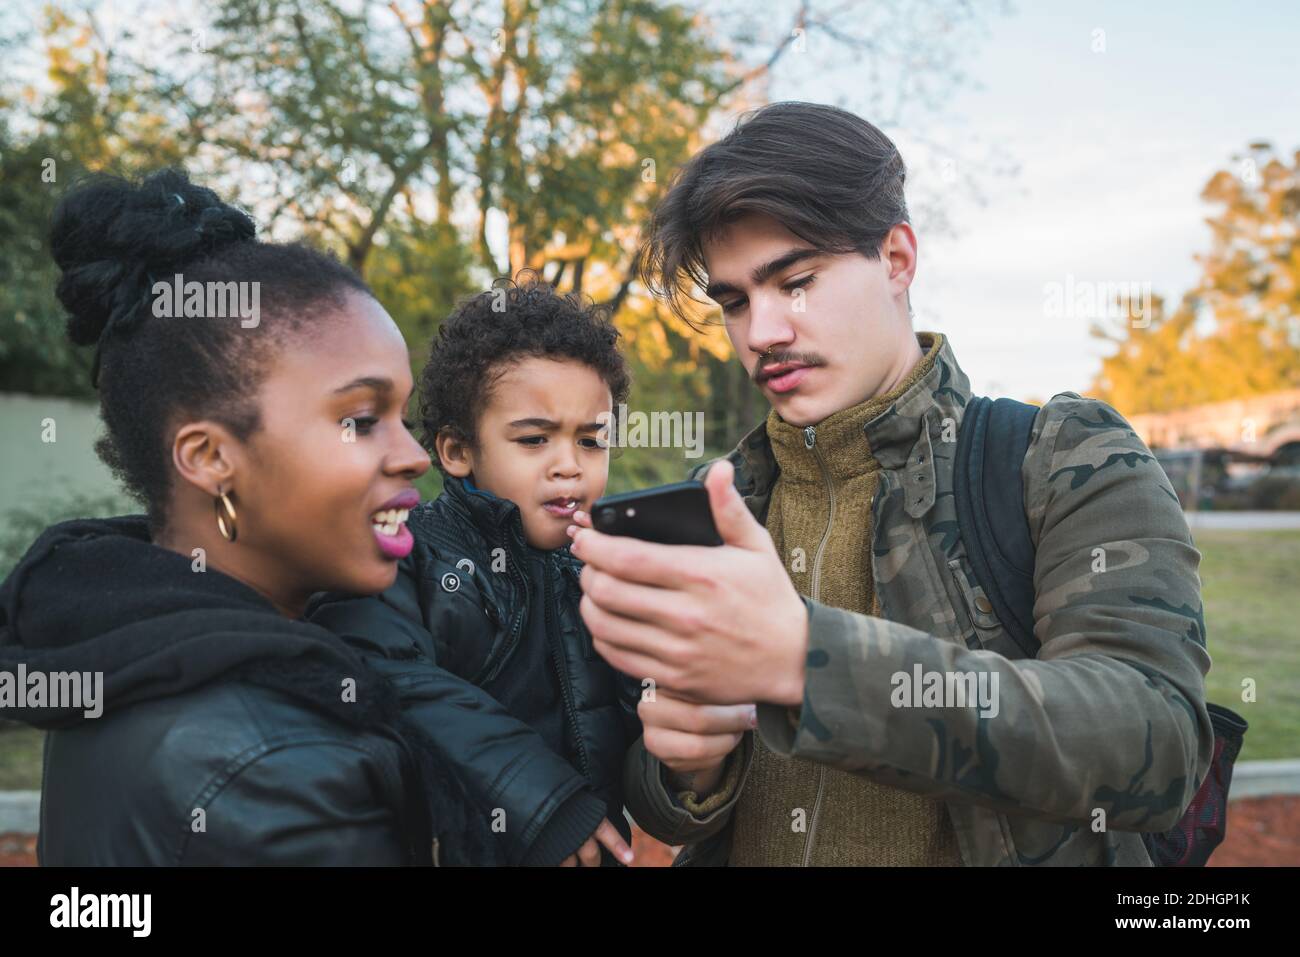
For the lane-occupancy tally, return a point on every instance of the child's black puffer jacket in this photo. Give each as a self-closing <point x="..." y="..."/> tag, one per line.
<point x="463" y="597"/>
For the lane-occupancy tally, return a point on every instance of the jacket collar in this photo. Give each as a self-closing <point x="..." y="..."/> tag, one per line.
<point x="494" y="518"/>
<point x="491" y="515"/>
<point x="902" y="436"/>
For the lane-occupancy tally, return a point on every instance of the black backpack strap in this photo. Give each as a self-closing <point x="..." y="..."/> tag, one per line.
<point x="990" y="497"/>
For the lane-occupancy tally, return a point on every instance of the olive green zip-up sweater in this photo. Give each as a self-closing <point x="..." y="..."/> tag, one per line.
<point x="792" y="811"/>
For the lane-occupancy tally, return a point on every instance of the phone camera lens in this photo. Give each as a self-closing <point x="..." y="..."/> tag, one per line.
<point x="606" y="516"/>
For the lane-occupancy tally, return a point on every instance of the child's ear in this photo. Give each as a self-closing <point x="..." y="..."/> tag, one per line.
<point x="455" y="454"/>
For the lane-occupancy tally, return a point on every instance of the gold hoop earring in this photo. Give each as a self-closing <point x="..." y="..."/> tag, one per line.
<point x="225" y="519"/>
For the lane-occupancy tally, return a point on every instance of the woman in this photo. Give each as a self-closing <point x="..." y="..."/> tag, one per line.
<point x="268" y="446"/>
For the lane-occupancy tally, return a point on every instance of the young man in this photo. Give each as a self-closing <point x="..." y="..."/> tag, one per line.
<point x="843" y="578"/>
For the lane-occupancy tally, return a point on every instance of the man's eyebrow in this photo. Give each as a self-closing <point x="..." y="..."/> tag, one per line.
<point x="717" y="290"/>
<point x="766" y="271"/>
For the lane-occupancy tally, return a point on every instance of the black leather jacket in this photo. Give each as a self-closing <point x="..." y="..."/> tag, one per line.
<point x="226" y="774"/>
<point x="462" y="597"/>
<point x="213" y="746"/>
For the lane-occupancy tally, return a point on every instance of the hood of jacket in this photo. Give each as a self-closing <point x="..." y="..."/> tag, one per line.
<point x="96" y="596"/>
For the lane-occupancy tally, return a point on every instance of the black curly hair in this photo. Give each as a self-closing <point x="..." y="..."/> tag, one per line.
<point x="488" y="332"/>
<point x="112" y="239"/>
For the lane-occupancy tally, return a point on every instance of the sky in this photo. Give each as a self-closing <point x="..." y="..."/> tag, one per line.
<point x="1113" y="150"/>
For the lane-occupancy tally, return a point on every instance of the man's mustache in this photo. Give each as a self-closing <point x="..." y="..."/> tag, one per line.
<point x="810" y="359"/>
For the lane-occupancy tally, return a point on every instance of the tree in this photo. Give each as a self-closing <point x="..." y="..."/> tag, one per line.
<point x="89" y="116"/>
<point x="436" y="144"/>
<point x="1237" y="333"/>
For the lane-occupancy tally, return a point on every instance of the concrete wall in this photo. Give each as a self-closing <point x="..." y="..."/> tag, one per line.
<point x="32" y="470"/>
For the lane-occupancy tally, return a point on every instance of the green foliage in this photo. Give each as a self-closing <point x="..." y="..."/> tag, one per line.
<point x="419" y="274"/>
<point x="35" y="356"/>
<point x="21" y="526"/>
<point x="92" y="118"/>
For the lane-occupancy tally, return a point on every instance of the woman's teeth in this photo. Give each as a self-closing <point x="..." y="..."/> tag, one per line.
<point x="387" y="521"/>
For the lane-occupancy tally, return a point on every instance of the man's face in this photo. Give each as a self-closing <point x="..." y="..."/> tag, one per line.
<point x="835" y="325"/>
<point x="540" y="444"/>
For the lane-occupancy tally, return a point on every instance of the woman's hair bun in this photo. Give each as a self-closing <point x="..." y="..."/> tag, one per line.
<point x="112" y="239"/>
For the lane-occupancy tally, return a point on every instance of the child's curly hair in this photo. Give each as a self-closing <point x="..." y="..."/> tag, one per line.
<point x="478" y="342"/>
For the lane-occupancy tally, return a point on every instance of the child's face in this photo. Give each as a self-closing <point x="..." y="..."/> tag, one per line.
<point x="540" y="444"/>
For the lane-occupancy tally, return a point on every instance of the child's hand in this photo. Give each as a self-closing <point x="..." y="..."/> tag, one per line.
<point x="580" y="520"/>
<point x="589" y="854"/>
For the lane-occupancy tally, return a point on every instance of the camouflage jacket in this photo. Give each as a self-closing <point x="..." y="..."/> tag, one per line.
<point x="1102" y="735"/>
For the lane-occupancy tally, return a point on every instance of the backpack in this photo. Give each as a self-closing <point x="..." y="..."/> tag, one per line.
<point x="989" y="492"/>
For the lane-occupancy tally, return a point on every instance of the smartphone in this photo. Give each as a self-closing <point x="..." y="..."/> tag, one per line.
<point x="676" y="514"/>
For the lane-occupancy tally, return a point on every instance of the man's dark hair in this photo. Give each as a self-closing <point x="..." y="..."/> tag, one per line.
<point x="112" y="238"/>
<point x="489" y="332"/>
<point x="829" y="177"/>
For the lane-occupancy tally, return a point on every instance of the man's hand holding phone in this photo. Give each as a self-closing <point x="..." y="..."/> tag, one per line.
<point x="716" y="625"/>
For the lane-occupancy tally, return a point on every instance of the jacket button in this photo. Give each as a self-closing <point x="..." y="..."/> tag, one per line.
<point x="450" y="582"/>
<point x="983" y="605"/>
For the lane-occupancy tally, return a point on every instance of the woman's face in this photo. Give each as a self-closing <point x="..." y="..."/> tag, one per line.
<point x="331" y="456"/>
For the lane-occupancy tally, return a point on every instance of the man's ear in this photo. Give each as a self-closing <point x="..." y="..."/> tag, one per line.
<point x="205" y="453"/>
<point x="899" y="249"/>
<point x="455" y="453"/>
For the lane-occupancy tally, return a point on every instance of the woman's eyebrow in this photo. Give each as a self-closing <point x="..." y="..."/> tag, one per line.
<point x="378" y="383"/>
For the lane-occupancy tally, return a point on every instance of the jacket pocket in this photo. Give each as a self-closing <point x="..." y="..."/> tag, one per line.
<point x="461" y="612"/>
<point x="988" y="633"/>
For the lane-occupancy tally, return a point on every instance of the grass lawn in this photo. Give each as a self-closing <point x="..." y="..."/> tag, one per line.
<point x="1251" y="586"/>
<point x="20" y="758"/>
<point x="1251" y="583"/>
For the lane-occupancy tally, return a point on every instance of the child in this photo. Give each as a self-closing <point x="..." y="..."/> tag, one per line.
<point x="519" y="385"/>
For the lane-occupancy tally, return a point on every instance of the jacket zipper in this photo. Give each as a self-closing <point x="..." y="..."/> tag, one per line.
<point x="492" y="668"/>
<point x="557" y="657"/>
<point x="810" y="442"/>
